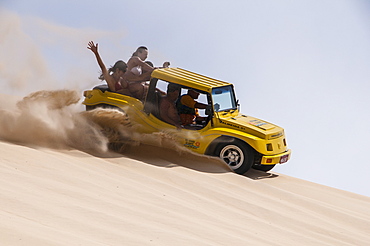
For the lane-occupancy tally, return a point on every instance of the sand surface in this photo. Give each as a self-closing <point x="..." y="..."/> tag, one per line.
<point x="155" y="196"/>
<point x="60" y="186"/>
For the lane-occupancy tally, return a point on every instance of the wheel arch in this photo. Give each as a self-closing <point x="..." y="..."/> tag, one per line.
<point x="103" y="105"/>
<point x="212" y="148"/>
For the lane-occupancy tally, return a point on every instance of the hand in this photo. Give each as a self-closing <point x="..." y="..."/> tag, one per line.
<point x="92" y="47"/>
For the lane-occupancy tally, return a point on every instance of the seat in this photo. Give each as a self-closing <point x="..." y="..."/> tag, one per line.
<point x="103" y="88"/>
<point x="156" y="102"/>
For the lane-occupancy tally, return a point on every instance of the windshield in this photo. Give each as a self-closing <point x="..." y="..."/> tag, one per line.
<point x="223" y="98"/>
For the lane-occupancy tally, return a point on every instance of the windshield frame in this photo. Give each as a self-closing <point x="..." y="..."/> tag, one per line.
<point x="231" y="99"/>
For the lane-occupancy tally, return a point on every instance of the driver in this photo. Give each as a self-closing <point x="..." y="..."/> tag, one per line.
<point x="167" y="107"/>
<point x="187" y="108"/>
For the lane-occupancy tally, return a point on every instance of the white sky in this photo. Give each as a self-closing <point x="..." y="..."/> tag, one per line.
<point x="303" y="65"/>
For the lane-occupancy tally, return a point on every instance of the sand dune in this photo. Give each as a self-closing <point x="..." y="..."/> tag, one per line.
<point x="156" y="196"/>
<point x="60" y="186"/>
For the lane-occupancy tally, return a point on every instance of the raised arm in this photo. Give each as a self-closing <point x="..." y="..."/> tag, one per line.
<point x="136" y="61"/>
<point x="110" y="81"/>
<point x="94" y="48"/>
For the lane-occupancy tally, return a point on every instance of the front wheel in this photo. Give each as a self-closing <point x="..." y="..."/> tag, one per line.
<point x="237" y="155"/>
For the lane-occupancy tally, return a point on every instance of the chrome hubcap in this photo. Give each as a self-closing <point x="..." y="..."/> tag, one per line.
<point x="233" y="156"/>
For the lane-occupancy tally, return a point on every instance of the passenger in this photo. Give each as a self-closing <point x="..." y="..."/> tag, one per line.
<point x="166" y="64"/>
<point x="139" y="71"/>
<point x="145" y="86"/>
<point x="167" y="107"/>
<point x="149" y="63"/>
<point x="114" y="75"/>
<point x="187" y="108"/>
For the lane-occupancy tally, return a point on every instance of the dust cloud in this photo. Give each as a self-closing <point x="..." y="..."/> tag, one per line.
<point x="54" y="119"/>
<point x="49" y="119"/>
<point x="22" y="65"/>
<point x="37" y="54"/>
<point x="51" y="116"/>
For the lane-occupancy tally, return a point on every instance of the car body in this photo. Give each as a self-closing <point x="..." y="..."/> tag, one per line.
<point x="242" y="141"/>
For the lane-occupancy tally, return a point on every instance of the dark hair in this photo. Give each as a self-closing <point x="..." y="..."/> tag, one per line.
<point x="149" y="63"/>
<point x="140" y="49"/>
<point x="120" y="65"/>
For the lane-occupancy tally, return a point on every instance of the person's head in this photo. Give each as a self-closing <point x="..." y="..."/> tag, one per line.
<point x="141" y="52"/>
<point x="119" y="68"/>
<point x="166" y="64"/>
<point x="173" y="90"/>
<point x="194" y="94"/>
<point x="149" y="63"/>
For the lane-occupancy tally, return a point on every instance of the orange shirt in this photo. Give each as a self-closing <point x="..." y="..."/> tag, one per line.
<point x="188" y="101"/>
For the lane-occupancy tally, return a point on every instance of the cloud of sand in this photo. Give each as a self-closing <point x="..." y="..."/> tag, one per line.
<point x="50" y="119"/>
<point x="21" y="62"/>
<point x="36" y="54"/>
<point x="54" y="119"/>
<point x="31" y="53"/>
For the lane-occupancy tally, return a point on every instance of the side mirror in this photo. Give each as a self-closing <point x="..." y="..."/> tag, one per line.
<point x="217" y="107"/>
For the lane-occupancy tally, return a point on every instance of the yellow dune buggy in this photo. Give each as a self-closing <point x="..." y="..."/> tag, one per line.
<point x="242" y="141"/>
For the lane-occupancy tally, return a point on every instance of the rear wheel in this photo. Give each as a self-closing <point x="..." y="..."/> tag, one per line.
<point x="90" y="107"/>
<point x="113" y="123"/>
<point x="237" y="155"/>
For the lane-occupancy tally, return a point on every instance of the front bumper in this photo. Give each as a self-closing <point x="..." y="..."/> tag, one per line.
<point x="276" y="159"/>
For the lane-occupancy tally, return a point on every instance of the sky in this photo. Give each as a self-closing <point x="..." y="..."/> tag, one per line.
<point x="303" y="65"/>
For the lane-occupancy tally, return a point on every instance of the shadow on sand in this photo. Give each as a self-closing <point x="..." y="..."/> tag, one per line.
<point x="169" y="158"/>
<point x="161" y="157"/>
<point x="257" y="175"/>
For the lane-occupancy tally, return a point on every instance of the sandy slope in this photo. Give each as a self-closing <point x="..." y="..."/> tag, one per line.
<point x="153" y="196"/>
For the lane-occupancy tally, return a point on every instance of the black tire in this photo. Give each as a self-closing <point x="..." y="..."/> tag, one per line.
<point x="110" y="124"/>
<point x="264" y="168"/>
<point x="237" y="155"/>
